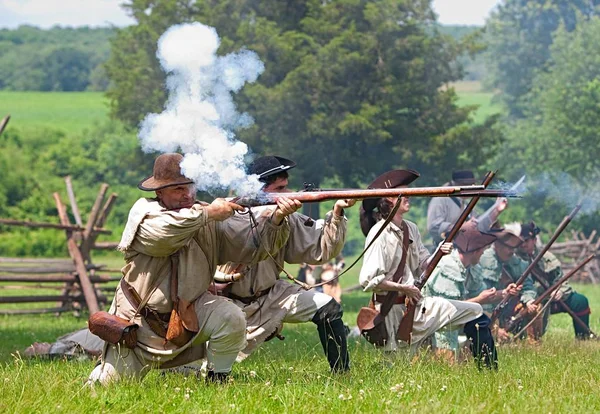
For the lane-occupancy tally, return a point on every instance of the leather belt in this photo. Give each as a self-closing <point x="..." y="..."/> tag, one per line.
<point x="381" y="298"/>
<point x="157" y="321"/>
<point x="248" y="299"/>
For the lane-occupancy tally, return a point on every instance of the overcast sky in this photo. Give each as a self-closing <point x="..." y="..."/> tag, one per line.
<point x="47" y="13"/>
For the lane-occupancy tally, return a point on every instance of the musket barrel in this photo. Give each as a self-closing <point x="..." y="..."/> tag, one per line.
<point x="319" y="196"/>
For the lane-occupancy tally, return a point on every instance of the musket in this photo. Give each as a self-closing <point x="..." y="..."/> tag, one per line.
<point x="563" y="224"/>
<point x="523" y="312"/>
<point x="319" y="196"/>
<point x="406" y="324"/>
<point x="542" y="281"/>
<point x="4" y="123"/>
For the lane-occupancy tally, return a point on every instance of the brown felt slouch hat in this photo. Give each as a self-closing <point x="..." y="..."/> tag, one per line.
<point x="166" y="173"/>
<point x="390" y="179"/>
<point x="469" y="238"/>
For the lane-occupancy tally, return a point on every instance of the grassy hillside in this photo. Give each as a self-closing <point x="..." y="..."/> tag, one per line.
<point x="68" y="111"/>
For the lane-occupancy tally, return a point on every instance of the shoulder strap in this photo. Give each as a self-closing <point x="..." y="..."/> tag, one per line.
<point x="346" y="270"/>
<point x="391" y="296"/>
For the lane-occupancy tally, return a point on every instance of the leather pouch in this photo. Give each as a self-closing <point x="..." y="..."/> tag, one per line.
<point x="372" y="328"/>
<point x="113" y="329"/>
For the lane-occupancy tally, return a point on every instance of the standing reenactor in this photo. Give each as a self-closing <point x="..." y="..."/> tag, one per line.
<point x="549" y="268"/>
<point x="172" y="246"/>
<point x="443" y="212"/>
<point x="385" y="256"/>
<point x="499" y="267"/>
<point x="267" y="301"/>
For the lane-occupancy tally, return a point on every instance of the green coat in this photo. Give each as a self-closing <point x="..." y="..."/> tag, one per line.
<point x="451" y="280"/>
<point x="488" y="273"/>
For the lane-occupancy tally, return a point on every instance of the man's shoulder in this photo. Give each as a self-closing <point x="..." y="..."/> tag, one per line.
<point x="451" y="268"/>
<point x="550" y="262"/>
<point x="412" y="227"/>
<point x="488" y="259"/>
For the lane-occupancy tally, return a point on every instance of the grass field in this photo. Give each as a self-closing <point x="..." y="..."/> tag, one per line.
<point x="561" y="375"/>
<point x="69" y="111"/>
<point x="74" y="111"/>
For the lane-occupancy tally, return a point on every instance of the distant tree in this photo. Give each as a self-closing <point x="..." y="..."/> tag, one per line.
<point x="351" y="88"/>
<point x="519" y="35"/>
<point x="56" y="59"/>
<point x="67" y="69"/>
<point x="561" y="127"/>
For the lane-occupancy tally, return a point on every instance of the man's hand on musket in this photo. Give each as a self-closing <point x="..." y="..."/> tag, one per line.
<point x="446" y="248"/>
<point x="557" y="295"/>
<point x="511" y="290"/>
<point x="531" y="307"/>
<point x="340" y="205"/>
<point x="412" y="293"/>
<point x="221" y="209"/>
<point x="502" y="335"/>
<point x="285" y="207"/>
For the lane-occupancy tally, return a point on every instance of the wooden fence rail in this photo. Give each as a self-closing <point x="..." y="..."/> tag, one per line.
<point x="76" y="277"/>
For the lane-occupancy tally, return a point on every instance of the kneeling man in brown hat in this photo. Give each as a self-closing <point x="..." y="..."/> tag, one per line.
<point x="172" y="246"/>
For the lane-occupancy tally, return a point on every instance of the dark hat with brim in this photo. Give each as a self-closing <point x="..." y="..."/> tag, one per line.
<point x="166" y="173"/>
<point x="529" y="230"/>
<point x="463" y="177"/>
<point x="390" y="179"/>
<point x="269" y="165"/>
<point x="469" y="238"/>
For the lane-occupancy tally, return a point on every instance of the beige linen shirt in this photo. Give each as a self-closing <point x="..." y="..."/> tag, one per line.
<point x="153" y="233"/>
<point x="383" y="258"/>
<point x="316" y="244"/>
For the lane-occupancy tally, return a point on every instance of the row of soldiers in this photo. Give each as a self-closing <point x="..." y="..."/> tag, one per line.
<point x="174" y="247"/>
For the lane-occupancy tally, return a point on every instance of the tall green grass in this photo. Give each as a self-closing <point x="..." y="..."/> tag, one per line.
<point x="67" y="111"/>
<point x="561" y="375"/>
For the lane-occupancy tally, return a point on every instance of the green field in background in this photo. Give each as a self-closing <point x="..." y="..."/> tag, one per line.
<point x="68" y="111"/>
<point x="75" y="111"/>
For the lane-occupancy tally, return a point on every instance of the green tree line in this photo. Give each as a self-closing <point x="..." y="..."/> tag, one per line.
<point x="351" y="88"/>
<point x="57" y="59"/>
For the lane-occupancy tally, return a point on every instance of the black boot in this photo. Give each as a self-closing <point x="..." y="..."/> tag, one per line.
<point x="482" y="342"/>
<point x="216" y="377"/>
<point x="333" y="336"/>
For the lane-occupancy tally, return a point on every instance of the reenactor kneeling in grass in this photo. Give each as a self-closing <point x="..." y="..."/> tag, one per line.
<point x="172" y="246"/>
<point x="549" y="271"/>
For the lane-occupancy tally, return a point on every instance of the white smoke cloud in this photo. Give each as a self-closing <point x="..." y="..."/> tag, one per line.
<point x="200" y="115"/>
<point x="566" y="190"/>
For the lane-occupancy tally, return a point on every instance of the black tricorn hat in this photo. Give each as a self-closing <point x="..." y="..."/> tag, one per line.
<point x="390" y="179"/>
<point x="269" y="165"/>
<point x="469" y="238"/>
<point x="166" y="173"/>
<point x="463" y="177"/>
<point x="529" y="230"/>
